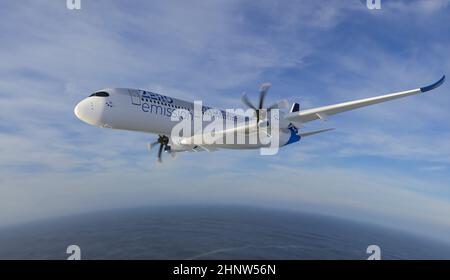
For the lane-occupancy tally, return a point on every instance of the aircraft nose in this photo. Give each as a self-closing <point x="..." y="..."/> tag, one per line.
<point x="89" y="111"/>
<point x="77" y="110"/>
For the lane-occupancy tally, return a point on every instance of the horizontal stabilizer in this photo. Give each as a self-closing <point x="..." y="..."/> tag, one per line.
<point x="309" y="133"/>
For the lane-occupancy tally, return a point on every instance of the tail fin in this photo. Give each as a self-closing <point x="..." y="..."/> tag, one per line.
<point x="295" y="107"/>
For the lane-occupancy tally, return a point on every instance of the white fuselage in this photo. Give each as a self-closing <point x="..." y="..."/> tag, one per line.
<point x="144" y="111"/>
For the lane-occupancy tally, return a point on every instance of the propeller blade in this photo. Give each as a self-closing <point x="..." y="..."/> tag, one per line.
<point x="173" y="154"/>
<point x="262" y="94"/>
<point x="160" y="152"/>
<point x="282" y="104"/>
<point x="246" y="101"/>
<point x="260" y="113"/>
<point x="152" y="145"/>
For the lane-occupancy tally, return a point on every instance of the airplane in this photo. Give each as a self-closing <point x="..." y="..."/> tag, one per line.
<point x="149" y="112"/>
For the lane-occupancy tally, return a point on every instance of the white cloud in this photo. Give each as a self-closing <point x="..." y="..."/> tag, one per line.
<point x="418" y="7"/>
<point x="52" y="164"/>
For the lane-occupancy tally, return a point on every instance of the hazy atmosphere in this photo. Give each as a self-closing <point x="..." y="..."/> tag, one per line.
<point x="388" y="164"/>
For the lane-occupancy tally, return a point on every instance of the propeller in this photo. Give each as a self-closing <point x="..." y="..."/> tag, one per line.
<point x="282" y="104"/>
<point x="163" y="142"/>
<point x="260" y="110"/>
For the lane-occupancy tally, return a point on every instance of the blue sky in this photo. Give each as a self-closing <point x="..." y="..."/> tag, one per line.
<point x="388" y="164"/>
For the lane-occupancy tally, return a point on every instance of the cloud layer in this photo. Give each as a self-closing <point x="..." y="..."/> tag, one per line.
<point x="388" y="164"/>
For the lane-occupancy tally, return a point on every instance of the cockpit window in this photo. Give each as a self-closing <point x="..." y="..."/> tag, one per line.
<point x="100" y="93"/>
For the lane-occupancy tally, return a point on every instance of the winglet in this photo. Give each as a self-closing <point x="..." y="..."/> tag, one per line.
<point x="433" y="86"/>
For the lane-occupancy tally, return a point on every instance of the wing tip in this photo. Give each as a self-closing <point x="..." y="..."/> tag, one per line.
<point x="433" y="86"/>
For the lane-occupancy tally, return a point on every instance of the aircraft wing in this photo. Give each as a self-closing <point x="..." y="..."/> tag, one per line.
<point x="322" y="113"/>
<point x="242" y="128"/>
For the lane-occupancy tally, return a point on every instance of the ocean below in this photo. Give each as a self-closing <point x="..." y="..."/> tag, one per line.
<point x="210" y="232"/>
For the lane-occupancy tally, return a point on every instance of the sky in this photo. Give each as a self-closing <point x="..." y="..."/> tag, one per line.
<point x="388" y="164"/>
